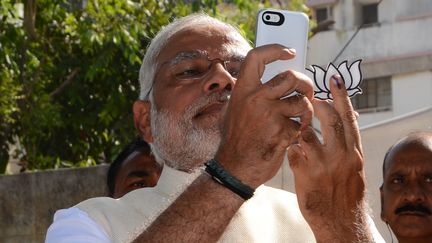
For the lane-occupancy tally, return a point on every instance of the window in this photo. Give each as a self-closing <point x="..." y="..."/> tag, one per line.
<point x="370" y="14"/>
<point x="321" y="14"/>
<point x="376" y="95"/>
<point x="324" y="18"/>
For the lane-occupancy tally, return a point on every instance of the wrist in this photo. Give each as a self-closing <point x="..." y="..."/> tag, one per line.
<point x="226" y="179"/>
<point x="343" y="228"/>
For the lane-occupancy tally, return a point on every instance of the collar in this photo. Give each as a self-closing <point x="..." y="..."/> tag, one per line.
<point x="173" y="181"/>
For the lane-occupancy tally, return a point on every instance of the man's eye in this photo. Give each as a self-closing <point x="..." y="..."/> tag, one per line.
<point x="139" y="184"/>
<point x="397" y="180"/>
<point x="189" y="73"/>
<point x="429" y="179"/>
<point x="234" y="68"/>
<point x="234" y="73"/>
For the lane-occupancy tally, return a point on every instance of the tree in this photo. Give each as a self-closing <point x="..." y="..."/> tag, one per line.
<point x="69" y="72"/>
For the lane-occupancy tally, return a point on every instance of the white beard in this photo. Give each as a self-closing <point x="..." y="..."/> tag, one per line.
<point x="178" y="142"/>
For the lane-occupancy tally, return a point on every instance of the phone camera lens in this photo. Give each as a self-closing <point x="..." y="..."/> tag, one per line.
<point x="267" y="17"/>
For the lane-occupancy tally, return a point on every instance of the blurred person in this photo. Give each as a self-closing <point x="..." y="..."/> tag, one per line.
<point x="221" y="134"/>
<point x="406" y="192"/>
<point x="135" y="167"/>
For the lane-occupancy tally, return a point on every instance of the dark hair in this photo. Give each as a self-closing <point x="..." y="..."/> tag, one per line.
<point x="136" y="145"/>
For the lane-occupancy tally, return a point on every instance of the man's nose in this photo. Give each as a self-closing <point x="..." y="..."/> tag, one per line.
<point x="218" y="79"/>
<point x="414" y="192"/>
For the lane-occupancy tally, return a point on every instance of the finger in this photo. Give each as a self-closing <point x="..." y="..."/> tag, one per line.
<point x="342" y="105"/>
<point x="287" y="82"/>
<point x="332" y="128"/>
<point x="255" y="61"/>
<point x="296" y="156"/>
<point x="297" y="107"/>
<point x="287" y="133"/>
<point x="311" y="145"/>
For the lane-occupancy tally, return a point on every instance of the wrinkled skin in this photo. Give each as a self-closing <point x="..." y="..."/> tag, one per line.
<point x="329" y="176"/>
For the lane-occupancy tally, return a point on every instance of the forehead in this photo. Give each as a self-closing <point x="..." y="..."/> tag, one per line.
<point x="137" y="160"/>
<point x="410" y="155"/>
<point x="216" y="41"/>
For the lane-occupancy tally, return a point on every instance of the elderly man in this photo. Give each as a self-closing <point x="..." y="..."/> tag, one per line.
<point x="221" y="134"/>
<point x="406" y="193"/>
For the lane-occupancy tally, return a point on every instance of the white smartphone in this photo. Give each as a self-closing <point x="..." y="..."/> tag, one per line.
<point x="287" y="28"/>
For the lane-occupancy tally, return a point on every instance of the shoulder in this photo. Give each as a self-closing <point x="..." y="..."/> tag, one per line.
<point x="75" y="225"/>
<point x="271" y="215"/>
<point x="279" y="203"/>
<point x="276" y="195"/>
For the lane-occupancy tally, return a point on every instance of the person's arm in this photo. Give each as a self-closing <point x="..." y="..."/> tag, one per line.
<point x="329" y="176"/>
<point x="200" y="214"/>
<point x="256" y="131"/>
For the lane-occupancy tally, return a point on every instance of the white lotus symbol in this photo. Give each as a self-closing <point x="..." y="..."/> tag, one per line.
<point x="351" y="76"/>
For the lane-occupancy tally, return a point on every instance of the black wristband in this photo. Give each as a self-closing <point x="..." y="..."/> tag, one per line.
<point x="223" y="177"/>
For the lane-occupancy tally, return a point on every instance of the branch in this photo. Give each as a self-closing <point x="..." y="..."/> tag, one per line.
<point x="30" y="18"/>
<point x="67" y="82"/>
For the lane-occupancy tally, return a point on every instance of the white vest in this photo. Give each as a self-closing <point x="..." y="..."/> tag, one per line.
<point x="271" y="215"/>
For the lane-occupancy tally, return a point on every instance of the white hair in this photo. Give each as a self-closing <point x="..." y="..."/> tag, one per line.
<point x="148" y="66"/>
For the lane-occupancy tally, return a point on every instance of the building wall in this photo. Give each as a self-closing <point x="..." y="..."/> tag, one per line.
<point x="395" y="47"/>
<point x="366" y="119"/>
<point x="411" y="92"/>
<point x="28" y="201"/>
<point x="376" y="43"/>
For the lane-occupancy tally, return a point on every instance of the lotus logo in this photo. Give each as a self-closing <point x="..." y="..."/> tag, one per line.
<point x="351" y="76"/>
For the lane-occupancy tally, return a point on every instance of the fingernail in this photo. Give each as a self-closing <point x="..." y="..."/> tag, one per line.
<point x="336" y="80"/>
<point x="292" y="50"/>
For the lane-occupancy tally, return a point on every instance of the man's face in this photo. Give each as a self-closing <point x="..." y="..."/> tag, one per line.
<point x="196" y="71"/>
<point x="406" y="193"/>
<point x="139" y="170"/>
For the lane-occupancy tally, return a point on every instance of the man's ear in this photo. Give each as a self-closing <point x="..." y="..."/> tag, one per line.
<point x="141" y="110"/>
<point x="383" y="218"/>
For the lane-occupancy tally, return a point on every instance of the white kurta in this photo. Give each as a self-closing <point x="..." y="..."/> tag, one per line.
<point x="271" y="215"/>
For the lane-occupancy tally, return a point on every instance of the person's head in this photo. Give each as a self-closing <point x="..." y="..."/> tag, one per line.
<point x="406" y="192"/>
<point x="134" y="168"/>
<point x="186" y="77"/>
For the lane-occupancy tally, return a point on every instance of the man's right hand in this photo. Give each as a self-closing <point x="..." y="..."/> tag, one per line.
<point x="257" y="128"/>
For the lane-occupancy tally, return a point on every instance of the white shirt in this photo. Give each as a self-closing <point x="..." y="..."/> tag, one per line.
<point x="271" y="215"/>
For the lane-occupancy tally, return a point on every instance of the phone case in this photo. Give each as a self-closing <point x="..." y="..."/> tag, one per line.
<point x="287" y="28"/>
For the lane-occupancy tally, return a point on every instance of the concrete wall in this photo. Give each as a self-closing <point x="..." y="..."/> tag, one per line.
<point x="28" y="201"/>
<point x="411" y="92"/>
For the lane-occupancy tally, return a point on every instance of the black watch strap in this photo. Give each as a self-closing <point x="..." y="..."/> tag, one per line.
<point x="223" y="177"/>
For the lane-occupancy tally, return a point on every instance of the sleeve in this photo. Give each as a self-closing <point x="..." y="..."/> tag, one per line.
<point x="375" y="233"/>
<point x="74" y="225"/>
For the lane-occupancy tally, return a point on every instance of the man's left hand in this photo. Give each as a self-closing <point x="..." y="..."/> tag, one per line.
<point x="329" y="176"/>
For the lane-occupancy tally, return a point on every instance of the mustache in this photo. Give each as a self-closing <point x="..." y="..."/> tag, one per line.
<point x="410" y="207"/>
<point x="201" y="102"/>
